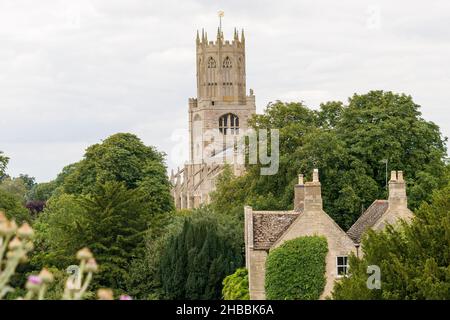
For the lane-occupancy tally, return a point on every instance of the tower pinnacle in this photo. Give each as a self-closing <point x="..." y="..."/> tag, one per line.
<point x="220" y="14"/>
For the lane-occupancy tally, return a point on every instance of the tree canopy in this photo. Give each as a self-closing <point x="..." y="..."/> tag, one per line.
<point x="349" y="144"/>
<point x="413" y="259"/>
<point x="122" y="157"/>
<point x="13" y="206"/>
<point x="197" y="258"/>
<point x="105" y="202"/>
<point x="3" y="164"/>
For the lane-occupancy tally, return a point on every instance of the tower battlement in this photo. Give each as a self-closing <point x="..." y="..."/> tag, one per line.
<point x="221" y="68"/>
<point x="203" y="42"/>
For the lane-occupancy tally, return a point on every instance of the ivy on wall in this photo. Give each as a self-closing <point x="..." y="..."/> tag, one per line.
<point x="296" y="270"/>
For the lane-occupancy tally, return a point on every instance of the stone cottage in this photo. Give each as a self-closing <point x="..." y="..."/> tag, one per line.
<point x="266" y="230"/>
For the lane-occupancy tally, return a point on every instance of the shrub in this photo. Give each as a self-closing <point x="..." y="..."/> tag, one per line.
<point x="296" y="270"/>
<point x="235" y="286"/>
<point x="413" y="258"/>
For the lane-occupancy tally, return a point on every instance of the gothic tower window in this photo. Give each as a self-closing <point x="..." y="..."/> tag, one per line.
<point x="227" y="80"/>
<point x="227" y="63"/>
<point x="229" y="124"/>
<point x="211" y="77"/>
<point x="211" y="63"/>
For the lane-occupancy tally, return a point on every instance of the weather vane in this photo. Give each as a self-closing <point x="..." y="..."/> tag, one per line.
<point x="220" y="14"/>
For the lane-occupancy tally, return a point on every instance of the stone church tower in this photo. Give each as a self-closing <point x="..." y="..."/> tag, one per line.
<point x="217" y="117"/>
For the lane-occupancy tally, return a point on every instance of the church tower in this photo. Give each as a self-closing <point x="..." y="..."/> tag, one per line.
<point x="219" y="113"/>
<point x="221" y="104"/>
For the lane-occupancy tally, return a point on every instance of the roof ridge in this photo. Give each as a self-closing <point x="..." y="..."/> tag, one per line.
<point x="367" y="219"/>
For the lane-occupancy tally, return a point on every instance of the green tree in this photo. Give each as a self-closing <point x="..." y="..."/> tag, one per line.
<point x="121" y="157"/>
<point x="15" y="186"/>
<point x="296" y="270"/>
<point x="384" y="125"/>
<point x="111" y="221"/>
<point x="3" y="164"/>
<point x="29" y="181"/>
<point x="413" y="259"/>
<point x="105" y="202"/>
<point x="59" y="232"/>
<point x="42" y="191"/>
<point x="235" y="286"/>
<point x="144" y="280"/>
<point x="348" y="144"/>
<point x="196" y="259"/>
<point x="12" y="205"/>
<point x="116" y="218"/>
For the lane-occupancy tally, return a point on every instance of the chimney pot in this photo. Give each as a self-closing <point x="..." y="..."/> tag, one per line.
<point x="397" y="190"/>
<point x="300" y="179"/>
<point x="316" y="175"/>
<point x="393" y="175"/>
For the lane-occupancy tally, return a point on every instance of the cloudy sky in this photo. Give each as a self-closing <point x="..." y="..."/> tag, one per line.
<point x="74" y="72"/>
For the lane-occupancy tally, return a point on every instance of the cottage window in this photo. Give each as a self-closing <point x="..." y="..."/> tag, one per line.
<point x="342" y="265"/>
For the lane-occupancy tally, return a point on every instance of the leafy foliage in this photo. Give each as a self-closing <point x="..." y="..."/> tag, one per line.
<point x="111" y="220"/>
<point x="41" y="191"/>
<point x="35" y="206"/>
<point x="414" y="259"/>
<point x="104" y="202"/>
<point x="121" y="157"/>
<point x="3" y="164"/>
<point x="235" y="286"/>
<point x="29" y="181"/>
<point x="14" y="186"/>
<point x="144" y="280"/>
<point x="196" y="259"/>
<point x="13" y="206"/>
<point x="296" y="270"/>
<point x="348" y="144"/>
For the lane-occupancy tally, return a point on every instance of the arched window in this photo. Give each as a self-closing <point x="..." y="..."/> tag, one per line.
<point x="211" y="77"/>
<point x="227" y="77"/>
<point x="227" y="63"/>
<point x="211" y="63"/>
<point x="229" y="124"/>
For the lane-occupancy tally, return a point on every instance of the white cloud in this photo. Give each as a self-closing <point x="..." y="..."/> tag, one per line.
<point x="74" y="72"/>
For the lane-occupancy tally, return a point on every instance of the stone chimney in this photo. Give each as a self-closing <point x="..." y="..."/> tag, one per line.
<point x="397" y="190"/>
<point x="299" y="194"/>
<point x="313" y="193"/>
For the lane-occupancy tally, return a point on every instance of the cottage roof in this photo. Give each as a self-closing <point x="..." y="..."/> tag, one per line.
<point x="367" y="219"/>
<point x="268" y="226"/>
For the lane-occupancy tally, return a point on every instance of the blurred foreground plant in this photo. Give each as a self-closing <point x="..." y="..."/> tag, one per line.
<point x="16" y="243"/>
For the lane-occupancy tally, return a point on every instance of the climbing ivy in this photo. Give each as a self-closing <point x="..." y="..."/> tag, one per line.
<point x="296" y="270"/>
